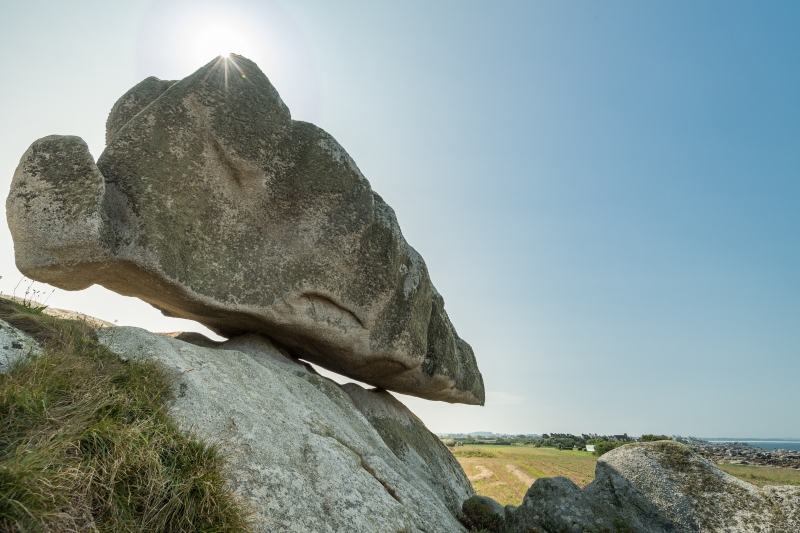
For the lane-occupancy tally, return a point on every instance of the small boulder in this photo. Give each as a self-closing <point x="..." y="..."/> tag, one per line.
<point x="481" y="513"/>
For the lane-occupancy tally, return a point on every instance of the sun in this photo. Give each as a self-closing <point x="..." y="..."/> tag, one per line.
<point x="177" y="37"/>
<point x="212" y="37"/>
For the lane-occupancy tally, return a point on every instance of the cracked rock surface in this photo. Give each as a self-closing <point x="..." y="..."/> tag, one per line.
<point x="212" y="204"/>
<point x="298" y="449"/>
<point x="409" y="439"/>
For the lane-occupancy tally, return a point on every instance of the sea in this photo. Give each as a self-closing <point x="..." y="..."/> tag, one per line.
<point x="765" y="444"/>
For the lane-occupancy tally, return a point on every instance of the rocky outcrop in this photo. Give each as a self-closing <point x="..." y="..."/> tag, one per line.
<point x="299" y="450"/>
<point x="212" y="204"/>
<point x="742" y="453"/>
<point x="657" y="487"/>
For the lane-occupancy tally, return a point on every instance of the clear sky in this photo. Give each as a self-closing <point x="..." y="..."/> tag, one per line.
<point x="607" y="194"/>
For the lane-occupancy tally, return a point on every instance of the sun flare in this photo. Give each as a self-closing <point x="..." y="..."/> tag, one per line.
<point x="177" y="37"/>
<point x="217" y="37"/>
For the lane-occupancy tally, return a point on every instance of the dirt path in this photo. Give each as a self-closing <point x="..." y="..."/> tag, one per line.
<point x="483" y="473"/>
<point x="520" y="475"/>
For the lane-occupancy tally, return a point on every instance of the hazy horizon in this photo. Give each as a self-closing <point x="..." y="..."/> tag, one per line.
<point x="604" y="194"/>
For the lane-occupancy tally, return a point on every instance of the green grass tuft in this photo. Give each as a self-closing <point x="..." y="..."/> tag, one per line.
<point x="86" y="443"/>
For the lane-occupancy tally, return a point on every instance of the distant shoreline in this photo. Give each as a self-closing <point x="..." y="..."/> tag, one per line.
<point x="743" y="439"/>
<point x="765" y="444"/>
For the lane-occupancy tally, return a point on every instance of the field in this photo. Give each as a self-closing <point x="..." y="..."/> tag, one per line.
<point x="505" y="473"/>
<point x="763" y="475"/>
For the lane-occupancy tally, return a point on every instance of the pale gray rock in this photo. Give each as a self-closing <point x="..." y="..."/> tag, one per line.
<point x="14" y="346"/>
<point x="414" y="444"/>
<point x="299" y="452"/>
<point x="656" y="487"/>
<point x="212" y="204"/>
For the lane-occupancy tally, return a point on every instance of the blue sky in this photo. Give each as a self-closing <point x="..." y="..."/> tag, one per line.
<point x="606" y="193"/>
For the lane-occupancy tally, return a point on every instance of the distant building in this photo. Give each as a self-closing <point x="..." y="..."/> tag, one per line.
<point x="590" y="447"/>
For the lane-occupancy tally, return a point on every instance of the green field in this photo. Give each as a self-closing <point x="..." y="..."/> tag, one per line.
<point x="505" y="473"/>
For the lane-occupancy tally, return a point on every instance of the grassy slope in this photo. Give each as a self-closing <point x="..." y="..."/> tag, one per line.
<point x="86" y="445"/>
<point x="508" y="487"/>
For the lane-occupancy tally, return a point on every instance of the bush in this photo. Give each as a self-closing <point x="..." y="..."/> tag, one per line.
<point x="560" y="442"/>
<point x="606" y="446"/>
<point x="653" y="438"/>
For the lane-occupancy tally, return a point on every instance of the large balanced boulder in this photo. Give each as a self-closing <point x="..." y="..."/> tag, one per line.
<point x="656" y="487"/>
<point x="299" y="451"/>
<point x="212" y="204"/>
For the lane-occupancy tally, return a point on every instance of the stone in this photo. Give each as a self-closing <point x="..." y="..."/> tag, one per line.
<point x="299" y="452"/>
<point x="743" y="453"/>
<point x="212" y="204"/>
<point x="14" y="346"/>
<point x="482" y="513"/>
<point x="656" y="487"/>
<point x="412" y="442"/>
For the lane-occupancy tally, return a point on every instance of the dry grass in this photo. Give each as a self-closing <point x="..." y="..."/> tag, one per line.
<point x="763" y="475"/>
<point x="86" y="445"/>
<point x="505" y="473"/>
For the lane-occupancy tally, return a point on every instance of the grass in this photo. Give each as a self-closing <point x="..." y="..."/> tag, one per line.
<point x="505" y="473"/>
<point x="86" y="444"/>
<point x="763" y="475"/>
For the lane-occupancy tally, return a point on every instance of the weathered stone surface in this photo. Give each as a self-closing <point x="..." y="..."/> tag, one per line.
<point x="299" y="451"/>
<point x="409" y="439"/>
<point x="212" y="204"/>
<point x="55" y="213"/>
<point x="133" y="101"/>
<point x="656" y="487"/>
<point x="14" y="345"/>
